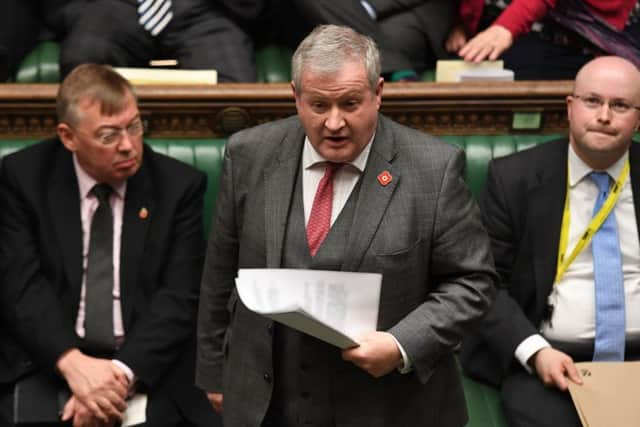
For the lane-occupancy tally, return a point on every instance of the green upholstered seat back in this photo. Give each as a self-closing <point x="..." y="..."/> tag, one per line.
<point x="479" y="149"/>
<point x="483" y="401"/>
<point x="273" y="65"/>
<point x="204" y="154"/>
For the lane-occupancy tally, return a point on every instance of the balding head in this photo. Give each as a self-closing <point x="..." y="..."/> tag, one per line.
<point x="604" y="110"/>
<point x="610" y="69"/>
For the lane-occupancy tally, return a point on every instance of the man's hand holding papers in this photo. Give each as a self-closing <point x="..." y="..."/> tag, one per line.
<point x="378" y="354"/>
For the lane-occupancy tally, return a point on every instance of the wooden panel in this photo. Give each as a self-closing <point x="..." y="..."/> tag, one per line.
<point x="217" y="111"/>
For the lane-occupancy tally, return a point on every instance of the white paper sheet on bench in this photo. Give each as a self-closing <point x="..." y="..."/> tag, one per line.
<point x="333" y="306"/>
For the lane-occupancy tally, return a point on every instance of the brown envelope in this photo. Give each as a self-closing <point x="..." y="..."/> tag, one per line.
<point x="609" y="395"/>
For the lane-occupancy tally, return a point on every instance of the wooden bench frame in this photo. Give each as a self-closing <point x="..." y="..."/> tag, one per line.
<point x="28" y="110"/>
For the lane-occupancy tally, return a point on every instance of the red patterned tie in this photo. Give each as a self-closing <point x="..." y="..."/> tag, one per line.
<point x="320" y="218"/>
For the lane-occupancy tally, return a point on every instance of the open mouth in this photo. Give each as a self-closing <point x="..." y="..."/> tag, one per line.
<point x="336" y="139"/>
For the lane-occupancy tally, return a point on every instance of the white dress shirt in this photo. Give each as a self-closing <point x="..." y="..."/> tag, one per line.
<point x="573" y="297"/>
<point x="344" y="181"/>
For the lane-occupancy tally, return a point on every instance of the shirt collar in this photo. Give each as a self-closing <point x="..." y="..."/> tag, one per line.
<point x="579" y="169"/>
<point x="86" y="181"/>
<point x="310" y="156"/>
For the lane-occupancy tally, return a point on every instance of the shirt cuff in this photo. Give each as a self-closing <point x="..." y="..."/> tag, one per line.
<point x="406" y="362"/>
<point x="127" y="371"/>
<point x="528" y="348"/>
<point x="370" y="10"/>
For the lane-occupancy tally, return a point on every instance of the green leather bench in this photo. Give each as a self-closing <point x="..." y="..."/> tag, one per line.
<point x="273" y="65"/>
<point x="41" y="64"/>
<point x="483" y="402"/>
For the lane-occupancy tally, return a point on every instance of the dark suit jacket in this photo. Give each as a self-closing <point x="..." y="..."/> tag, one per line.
<point x="522" y="208"/>
<point x="41" y="265"/>
<point x="405" y="30"/>
<point x="422" y="232"/>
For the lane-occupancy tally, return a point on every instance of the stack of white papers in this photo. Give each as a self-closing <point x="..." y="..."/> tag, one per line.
<point x="168" y="76"/>
<point x="486" y="74"/>
<point x="456" y="70"/>
<point x="333" y="306"/>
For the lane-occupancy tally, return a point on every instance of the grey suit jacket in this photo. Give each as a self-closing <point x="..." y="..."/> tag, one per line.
<point x="422" y="232"/>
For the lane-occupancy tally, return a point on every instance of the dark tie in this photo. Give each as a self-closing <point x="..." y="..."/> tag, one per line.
<point x="609" y="283"/>
<point x="154" y="15"/>
<point x="320" y="217"/>
<point x="99" y="287"/>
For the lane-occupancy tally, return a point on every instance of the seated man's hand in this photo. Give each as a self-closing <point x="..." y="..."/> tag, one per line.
<point x="98" y="384"/>
<point x="82" y="417"/>
<point x="554" y="367"/>
<point x="378" y="354"/>
<point x="216" y="400"/>
<point x="488" y="44"/>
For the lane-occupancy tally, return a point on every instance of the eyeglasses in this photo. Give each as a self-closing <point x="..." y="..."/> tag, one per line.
<point x="594" y="102"/>
<point x="113" y="136"/>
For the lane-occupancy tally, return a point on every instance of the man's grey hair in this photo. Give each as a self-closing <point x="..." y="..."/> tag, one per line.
<point x="96" y="83"/>
<point x="329" y="47"/>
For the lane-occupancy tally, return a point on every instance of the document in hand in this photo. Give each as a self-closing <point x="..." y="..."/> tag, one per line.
<point x="333" y="306"/>
<point x="609" y="394"/>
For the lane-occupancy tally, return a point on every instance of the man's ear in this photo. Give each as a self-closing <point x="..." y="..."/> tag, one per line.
<point x="296" y="95"/>
<point x="378" y="93"/>
<point x="569" y="101"/>
<point x="67" y="136"/>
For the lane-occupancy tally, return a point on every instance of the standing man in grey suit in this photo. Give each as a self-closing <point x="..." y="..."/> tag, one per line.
<point x="399" y="207"/>
<point x="550" y="313"/>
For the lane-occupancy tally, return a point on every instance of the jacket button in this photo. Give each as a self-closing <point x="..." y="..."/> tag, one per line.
<point x="267" y="377"/>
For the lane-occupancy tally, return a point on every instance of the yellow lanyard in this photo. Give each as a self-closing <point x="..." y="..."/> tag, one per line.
<point x="594" y="225"/>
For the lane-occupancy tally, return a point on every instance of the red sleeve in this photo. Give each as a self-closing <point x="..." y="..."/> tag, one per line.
<point x="615" y="12"/>
<point x="470" y="14"/>
<point x="521" y="14"/>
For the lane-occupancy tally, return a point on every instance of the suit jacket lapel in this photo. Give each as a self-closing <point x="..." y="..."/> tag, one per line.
<point x="279" y="187"/>
<point x="374" y="197"/>
<point x="63" y="199"/>
<point x="139" y="195"/>
<point x="546" y="204"/>
<point x="634" y="159"/>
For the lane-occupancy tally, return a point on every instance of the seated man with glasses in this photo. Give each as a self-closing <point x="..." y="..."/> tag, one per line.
<point x="101" y="251"/>
<point x="563" y="220"/>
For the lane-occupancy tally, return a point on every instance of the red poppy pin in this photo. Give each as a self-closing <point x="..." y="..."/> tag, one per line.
<point x="385" y="178"/>
<point x="144" y="213"/>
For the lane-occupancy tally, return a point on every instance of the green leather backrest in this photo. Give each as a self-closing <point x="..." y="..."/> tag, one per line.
<point x="40" y="65"/>
<point x="483" y="402"/>
<point x="204" y="154"/>
<point x="273" y="65"/>
<point x="479" y="149"/>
